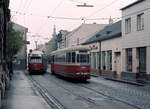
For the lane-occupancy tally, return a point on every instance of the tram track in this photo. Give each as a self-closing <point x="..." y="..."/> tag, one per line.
<point x="110" y="97"/>
<point x="50" y="99"/>
<point x="53" y="102"/>
<point x="98" y="92"/>
<point x="77" y="95"/>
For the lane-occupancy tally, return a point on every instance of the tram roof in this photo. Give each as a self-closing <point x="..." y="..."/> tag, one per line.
<point x="38" y="52"/>
<point x="76" y="48"/>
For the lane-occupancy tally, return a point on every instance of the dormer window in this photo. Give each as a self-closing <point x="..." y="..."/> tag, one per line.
<point x="98" y="35"/>
<point x="108" y="32"/>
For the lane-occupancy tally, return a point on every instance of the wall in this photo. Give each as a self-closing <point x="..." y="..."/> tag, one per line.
<point x="83" y="33"/>
<point x="136" y="38"/>
<point x="22" y="54"/>
<point x="115" y="45"/>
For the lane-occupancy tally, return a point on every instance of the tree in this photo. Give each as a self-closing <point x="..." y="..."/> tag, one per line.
<point x="15" y="41"/>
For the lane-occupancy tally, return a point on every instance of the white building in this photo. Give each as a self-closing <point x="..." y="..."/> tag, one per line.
<point x="82" y="33"/>
<point x="136" y="39"/>
<point x="106" y="47"/>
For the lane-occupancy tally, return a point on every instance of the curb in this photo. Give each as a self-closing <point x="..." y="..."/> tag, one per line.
<point x="124" y="81"/>
<point x="94" y="75"/>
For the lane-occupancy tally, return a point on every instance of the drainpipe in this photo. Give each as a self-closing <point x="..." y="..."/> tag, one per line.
<point x="100" y="58"/>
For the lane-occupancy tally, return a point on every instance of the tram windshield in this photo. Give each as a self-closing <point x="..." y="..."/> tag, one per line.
<point x="35" y="60"/>
<point x="83" y="58"/>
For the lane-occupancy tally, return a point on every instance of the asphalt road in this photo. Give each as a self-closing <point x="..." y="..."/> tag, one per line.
<point x="96" y="93"/>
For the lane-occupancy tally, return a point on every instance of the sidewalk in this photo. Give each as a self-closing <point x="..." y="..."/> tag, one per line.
<point x="22" y="95"/>
<point x="125" y="80"/>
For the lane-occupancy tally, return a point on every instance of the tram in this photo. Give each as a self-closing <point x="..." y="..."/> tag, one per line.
<point x="71" y="62"/>
<point x="37" y="62"/>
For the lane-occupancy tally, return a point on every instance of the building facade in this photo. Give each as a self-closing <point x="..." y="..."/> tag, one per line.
<point x="136" y="39"/>
<point x="61" y="39"/>
<point x="106" y="47"/>
<point x="82" y="33"/>
<point x="4" y="51"/>
<point x="21" y="56"/>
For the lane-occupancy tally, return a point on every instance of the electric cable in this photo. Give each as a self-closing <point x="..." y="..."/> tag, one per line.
<point x="102" y="8"/>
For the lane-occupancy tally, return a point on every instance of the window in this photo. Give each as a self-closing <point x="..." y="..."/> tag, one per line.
<point x="103" y="60"/>
<point x="73" y="57"/>
<point x="68" y="57"/>
<point x="36" y="60"/>
<point x="109" y="60"/>
<point x="142" y="59"/>
<point x="129" y="59"/>
<point x="128" y="25"/>
<point x="98" y="60"/>
<point x="140" y="22"/>
<point x="83" y="58"/>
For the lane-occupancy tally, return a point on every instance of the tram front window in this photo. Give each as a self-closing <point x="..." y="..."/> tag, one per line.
<point x="83" y="58"/>
<point x="36" y="60"/>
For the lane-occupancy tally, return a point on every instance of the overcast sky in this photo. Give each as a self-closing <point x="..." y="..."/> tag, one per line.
<point x="33" y="14"/>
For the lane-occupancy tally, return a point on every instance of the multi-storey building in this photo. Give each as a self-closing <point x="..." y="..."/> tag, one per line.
<point x="4" y="55"/>
<point x="21" y="56"/>
<point x="136" y="39"/>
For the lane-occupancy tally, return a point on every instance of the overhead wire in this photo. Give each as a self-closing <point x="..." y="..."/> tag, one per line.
<point x="97" y="11"/>
<point x="29" y="4"/>
<point x="20" y="4"/>
<point x="75" y="1"/>
<point x="61" y="17"/>
<point x="58" y="5"/>
<point x="25" y="4"/>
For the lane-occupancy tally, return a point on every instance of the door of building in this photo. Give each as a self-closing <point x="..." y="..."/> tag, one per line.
<point x="142" y="60"/>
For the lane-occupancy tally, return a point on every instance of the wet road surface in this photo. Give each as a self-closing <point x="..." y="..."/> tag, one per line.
<point x="96" y="93"/>
<point x="53" y="92"/>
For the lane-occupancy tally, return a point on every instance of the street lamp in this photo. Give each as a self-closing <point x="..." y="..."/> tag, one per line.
<point x="85" y="5"/>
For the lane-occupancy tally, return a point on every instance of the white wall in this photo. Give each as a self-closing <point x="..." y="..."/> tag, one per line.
<point x="83" y="33"/>
<point x="137" y="38"/>
<point x="115" y="45"/>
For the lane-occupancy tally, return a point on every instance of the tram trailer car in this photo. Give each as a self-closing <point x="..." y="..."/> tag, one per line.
<point x="71" y="63"/>
<point x="37" y="62"/>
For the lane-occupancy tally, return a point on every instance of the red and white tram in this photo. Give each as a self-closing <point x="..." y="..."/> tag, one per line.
<point x="71" y="62"/>
<point x="37" y="62"/>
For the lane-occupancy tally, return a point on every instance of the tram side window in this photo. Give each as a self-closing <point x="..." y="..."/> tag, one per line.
<point x="68" y="57"/>
<point x="60" y="58"/>
<point x="52" y="59"/>
<point x="73" y="57"/>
